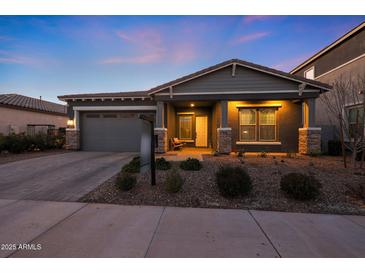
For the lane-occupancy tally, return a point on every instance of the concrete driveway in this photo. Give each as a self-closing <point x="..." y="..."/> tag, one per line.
<point x="58" y="229"/>
<point x="61" y="177"/>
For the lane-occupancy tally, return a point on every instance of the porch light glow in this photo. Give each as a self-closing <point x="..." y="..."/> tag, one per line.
<point x="70" y="123"/>
<point x="192" y="105"/>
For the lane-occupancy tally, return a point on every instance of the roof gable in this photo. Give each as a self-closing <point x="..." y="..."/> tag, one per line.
<point x="235" y="66"/>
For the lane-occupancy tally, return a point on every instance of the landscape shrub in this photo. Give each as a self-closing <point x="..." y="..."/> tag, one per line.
<point x="126" y="181"/>
<point x="162" y="164"/>
<point x="17" y="143"/>
<point x="133" y="166"/>
<point x="334" y="148"/>
<point x="233" y="181"/>
<point x="174" y="181"/>
<point x="300" y="186"/>
<point x="191" y="164"/>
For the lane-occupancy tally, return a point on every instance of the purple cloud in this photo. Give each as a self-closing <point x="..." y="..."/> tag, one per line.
<point x="290" y="63"/>
<point x="253" y="18"/>
<point x="251" y="37"/>
<point x="150" y="45"/>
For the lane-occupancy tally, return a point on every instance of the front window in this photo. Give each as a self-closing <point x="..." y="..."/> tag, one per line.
<point x="186" y="127"/>
<point x="267" y="124"/>
<point x="257" y="124"/>
<point x="248" y="124"/>
<point x="355" y="118"/>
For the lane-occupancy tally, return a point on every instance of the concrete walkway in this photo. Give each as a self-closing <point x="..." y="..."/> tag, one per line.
<point x="60" y="177"/>
<point x="58" y="229"/>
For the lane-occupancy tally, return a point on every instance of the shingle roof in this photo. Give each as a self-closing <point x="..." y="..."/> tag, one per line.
<point x="21" y="101"/>
<point x="135" y="94"/>
<point x="245" y="64"/>
<point x="147" y="93"/>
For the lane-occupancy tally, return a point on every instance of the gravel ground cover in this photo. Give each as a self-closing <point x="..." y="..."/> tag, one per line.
<point x="200" y="190"/>
<point x="10" y="157"/>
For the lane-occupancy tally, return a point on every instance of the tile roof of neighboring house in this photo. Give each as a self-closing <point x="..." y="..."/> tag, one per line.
<point x="21" y="101"/>
<point x="129" y="94"/>
<point x="245" y="64"/>
<point x="329" y="47"/>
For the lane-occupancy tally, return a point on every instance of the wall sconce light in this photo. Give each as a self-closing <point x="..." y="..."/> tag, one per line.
<point x="70" y="124"/>
<point x="192" y="105"/>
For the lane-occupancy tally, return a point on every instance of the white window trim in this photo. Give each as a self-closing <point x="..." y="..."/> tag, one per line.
<point x="314" y="73"/>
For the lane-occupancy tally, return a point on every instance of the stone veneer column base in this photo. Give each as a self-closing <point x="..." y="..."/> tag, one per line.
<point x="72" y="139"/>
<point x="162" y="141"/>
<point x="224" y="140"/>
<point x="309" y="140"/>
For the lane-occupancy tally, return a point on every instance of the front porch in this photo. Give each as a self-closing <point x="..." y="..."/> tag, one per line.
<point x="229" y="126"/>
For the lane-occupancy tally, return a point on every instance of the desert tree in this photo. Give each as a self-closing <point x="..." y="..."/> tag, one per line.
<point x="345" y="104"/>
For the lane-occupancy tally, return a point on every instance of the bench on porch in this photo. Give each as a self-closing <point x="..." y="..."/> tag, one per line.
<point x="176" y="143"/>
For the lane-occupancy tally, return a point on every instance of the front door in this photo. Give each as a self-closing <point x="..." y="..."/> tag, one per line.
<point x="201" y="125"/>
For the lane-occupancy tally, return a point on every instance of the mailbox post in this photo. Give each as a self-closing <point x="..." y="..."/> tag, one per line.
<point x="152" y="147"/>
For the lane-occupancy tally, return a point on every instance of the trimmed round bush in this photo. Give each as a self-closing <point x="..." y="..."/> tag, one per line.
<point x="191" y="164"/>
<point x="174" y="181"/>
<point x="233" y="181"/>
<point x="133" y="166"/>
<point x="126" y="181"/>
<point x="300" y="186"/>
<point x="162" y="164"/>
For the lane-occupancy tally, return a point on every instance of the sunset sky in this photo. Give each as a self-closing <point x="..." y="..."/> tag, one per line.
<point x="56" y="55"/>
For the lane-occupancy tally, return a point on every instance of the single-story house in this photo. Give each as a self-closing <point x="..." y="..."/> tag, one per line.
<point x="23" y="114"/>
<point x="231" y="106"/>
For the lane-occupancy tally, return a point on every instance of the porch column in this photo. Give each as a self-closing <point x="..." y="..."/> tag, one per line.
<point x="309" y="135"/>
<point x="160" y="115"/>
<point x="160" y="130"/>
<point x="224" y="114"/>
<point x="224" y="133"/>
<point x="73" y="134"/>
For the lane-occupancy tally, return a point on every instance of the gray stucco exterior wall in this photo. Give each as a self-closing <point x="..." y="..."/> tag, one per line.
<point x="244" y="80"/>
<point x="353" y="47"/>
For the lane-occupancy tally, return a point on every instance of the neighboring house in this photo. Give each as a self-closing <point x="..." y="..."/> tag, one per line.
<point x="20" y="114"/>
<point x="343" y="59"/>
<point x="232" y="106"/>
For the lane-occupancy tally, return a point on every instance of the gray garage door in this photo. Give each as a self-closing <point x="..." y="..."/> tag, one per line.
<point x="110" y="132"/>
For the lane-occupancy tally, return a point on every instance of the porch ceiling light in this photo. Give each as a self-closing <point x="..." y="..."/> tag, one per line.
<point x="192" y="105"/>
<point x="70" y="123"/>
